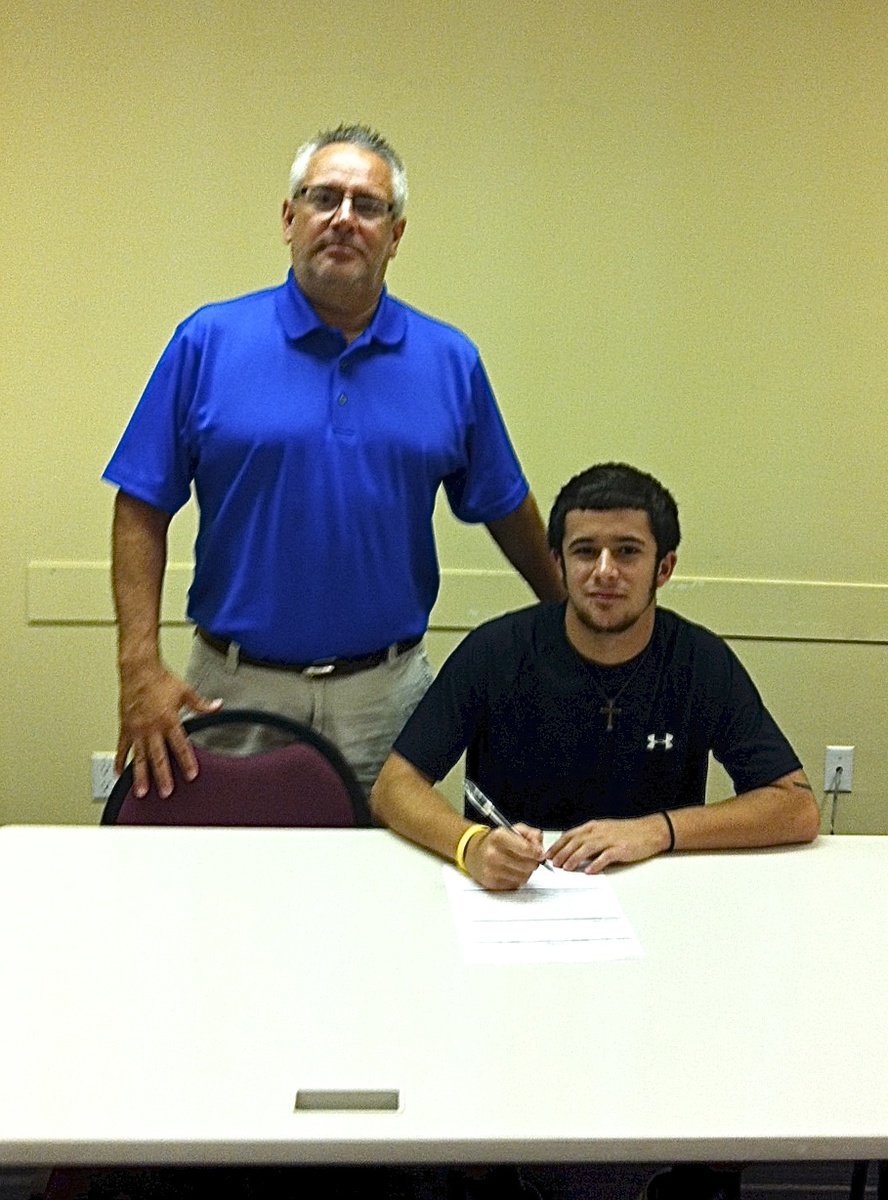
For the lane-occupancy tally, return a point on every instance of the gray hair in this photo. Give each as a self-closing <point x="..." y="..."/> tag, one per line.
<point x="355" y="135"/>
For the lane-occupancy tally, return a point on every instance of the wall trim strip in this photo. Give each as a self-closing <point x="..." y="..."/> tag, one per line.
<point x="79" y="593"/>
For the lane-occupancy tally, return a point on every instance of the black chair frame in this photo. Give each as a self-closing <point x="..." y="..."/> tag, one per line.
<point x="859" y="1174"/>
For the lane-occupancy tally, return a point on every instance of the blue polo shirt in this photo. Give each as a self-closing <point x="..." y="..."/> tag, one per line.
<point x="315" y="466"/>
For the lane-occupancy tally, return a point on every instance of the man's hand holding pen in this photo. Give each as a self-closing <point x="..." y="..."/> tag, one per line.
<point x="505" y="859"/>
<point x="513" y="851"/>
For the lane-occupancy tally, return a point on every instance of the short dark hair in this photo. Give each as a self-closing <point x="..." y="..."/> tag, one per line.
<point x="607" y="486"/>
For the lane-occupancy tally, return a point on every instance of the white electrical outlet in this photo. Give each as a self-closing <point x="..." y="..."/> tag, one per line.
<point x="838" y="756"/>
<point x="103" y="774"/>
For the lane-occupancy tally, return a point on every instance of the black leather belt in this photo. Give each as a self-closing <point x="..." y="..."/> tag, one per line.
<point x="331" y="666"/>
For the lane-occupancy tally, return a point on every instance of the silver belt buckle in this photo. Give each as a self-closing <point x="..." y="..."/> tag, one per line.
<point x="320" y="669"/>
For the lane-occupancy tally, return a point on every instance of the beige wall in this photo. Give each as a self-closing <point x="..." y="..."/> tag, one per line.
<point x="664" y="224"/>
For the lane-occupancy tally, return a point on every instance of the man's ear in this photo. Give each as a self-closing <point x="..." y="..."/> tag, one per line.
<point x="287" y="215"/>
<point x="397" y="233"/>
<point x="666" y="567"/>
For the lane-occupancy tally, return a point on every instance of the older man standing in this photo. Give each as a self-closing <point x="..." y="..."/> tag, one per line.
<point x="316" y="422"/>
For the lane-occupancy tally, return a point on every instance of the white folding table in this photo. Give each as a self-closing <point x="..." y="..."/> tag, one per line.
<point x="166" y="993"/>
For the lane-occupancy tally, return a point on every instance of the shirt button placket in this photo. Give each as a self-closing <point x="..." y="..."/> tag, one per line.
<point x="342" y="415"/>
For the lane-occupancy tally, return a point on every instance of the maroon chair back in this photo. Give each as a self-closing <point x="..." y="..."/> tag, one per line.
<point x="304" y="783"/>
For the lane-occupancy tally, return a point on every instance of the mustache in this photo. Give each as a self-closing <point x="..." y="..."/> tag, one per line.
<point x="338" y="239"/>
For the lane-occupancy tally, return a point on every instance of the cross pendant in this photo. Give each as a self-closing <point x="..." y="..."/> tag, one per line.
<point x="610" y="710"/>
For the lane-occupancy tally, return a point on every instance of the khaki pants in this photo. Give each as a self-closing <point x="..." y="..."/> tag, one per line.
<point x="361" y="714"/>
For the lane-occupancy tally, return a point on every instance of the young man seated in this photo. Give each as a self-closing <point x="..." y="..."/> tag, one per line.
<point x="597" y="716"/>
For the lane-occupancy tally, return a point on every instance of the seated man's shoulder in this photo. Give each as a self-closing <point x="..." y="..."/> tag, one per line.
<point x="689" y="636"/>
<point x="698" y="657"/>
<point x="523" y="630"/>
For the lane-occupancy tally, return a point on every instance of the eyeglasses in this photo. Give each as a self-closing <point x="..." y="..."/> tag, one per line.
<point x="327" y="200"/>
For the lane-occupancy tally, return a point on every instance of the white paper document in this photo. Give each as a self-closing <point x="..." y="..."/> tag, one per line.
<point x="557" y="917"/>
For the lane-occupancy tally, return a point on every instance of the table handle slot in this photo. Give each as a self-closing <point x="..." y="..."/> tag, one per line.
<point x="347" y="1099"/>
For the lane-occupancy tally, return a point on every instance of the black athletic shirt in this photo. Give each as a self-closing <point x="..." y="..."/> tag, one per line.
<point x="532" y="714"/>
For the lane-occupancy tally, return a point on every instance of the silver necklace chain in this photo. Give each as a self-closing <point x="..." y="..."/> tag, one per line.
<point x="609" y="708"/>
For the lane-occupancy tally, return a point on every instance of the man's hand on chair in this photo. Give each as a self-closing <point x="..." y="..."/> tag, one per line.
<point x="151" y="698"/>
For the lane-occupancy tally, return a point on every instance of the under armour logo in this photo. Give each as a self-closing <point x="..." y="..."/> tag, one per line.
<point x="665" y="741"/>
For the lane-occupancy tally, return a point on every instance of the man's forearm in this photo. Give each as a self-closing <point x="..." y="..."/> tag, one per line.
<point x="780" y="814"/>
<point x="139" y="551"/>
<point x="405" y="801"/>
<point x="522" y="539"/>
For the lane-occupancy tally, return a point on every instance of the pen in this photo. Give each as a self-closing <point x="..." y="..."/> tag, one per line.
<point x="486" y="807"/>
